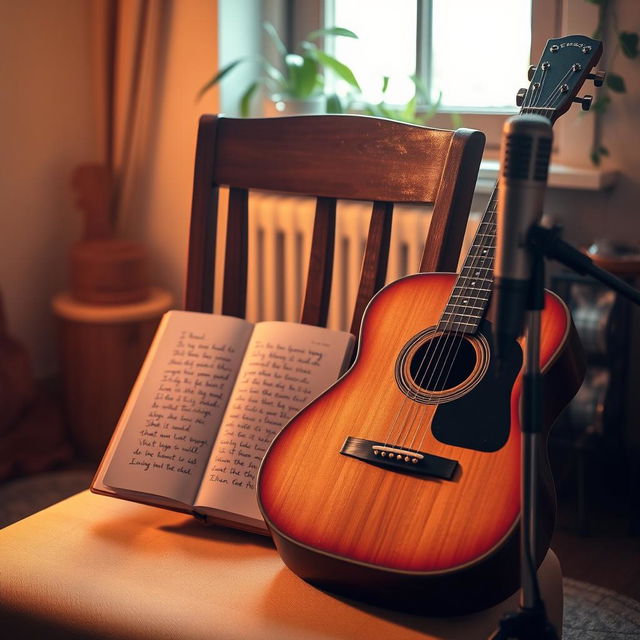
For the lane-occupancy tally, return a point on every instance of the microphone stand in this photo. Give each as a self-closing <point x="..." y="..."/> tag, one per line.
<point x="530" y="622"/>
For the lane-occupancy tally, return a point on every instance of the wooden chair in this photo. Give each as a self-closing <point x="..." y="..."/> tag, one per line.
<point x="94" y="567"/>
<point x="329" y="157"/>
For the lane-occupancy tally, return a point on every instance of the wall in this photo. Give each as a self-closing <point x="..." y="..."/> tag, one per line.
<point x="614" y="214"/>
<point x="163" y="201"/>
<point x="46" y="115"/>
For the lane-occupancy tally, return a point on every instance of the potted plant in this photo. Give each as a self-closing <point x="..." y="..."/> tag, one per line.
<point x="300" y="81"/>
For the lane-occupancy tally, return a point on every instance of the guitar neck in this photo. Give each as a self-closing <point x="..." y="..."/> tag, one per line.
<point x="470" y="296"/>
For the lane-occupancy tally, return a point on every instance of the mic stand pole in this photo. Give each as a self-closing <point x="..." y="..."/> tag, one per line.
<point x="530" y="622"/>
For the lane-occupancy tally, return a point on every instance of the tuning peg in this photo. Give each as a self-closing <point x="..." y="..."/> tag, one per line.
<point x="597" y="77"/>
<point x="531" y="72"/>
<point x="520" y="97"/>
<point x="585" y="102"/>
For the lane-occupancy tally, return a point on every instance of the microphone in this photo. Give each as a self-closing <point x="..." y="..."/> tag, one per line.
<point x="524" y="161"/>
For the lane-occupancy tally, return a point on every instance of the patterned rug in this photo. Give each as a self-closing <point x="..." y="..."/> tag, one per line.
<point x="590" y="612"/>
<point x="594" y="613"/>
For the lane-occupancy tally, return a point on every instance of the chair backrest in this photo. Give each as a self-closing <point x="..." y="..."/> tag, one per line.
<point x="330" y="157"/>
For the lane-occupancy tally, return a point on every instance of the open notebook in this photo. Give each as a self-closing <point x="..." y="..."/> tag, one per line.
<point x="212" y="394"/>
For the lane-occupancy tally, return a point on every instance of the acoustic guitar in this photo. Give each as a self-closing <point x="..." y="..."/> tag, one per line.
<point x="400" y="484"/>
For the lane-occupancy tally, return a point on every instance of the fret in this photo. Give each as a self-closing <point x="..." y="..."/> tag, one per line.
<point x="464" y="310"/>
<point x="466" y="318"/>
<point x="476" y="272"/>
<point x="467" y="305"/>
<point x="473" y="289"/>
<point x="477" y="269"/>
<point x="458" y="326"/>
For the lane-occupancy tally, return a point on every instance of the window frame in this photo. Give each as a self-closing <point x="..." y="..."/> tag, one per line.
<point x="573" y="134"/>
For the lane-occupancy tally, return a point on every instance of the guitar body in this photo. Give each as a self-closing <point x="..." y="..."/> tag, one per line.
<point x="444" y="541"/>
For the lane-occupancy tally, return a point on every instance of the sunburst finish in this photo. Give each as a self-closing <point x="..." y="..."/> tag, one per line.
<point x="441" y="543"/>
<point x="327" y="507"/>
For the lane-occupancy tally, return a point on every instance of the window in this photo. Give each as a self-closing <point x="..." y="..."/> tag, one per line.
<point x="456" y="47"/>
<point x="473" y="55"/>
<point x="483" y="57"/>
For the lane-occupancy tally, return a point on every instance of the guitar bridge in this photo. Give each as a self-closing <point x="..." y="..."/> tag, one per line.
<point x="397" y="458"/>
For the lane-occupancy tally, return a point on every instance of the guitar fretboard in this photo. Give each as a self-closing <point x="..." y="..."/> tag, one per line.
<point x="470" y="296"/>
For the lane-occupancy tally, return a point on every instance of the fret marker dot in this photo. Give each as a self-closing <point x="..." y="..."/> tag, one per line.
<point x="473" y="284"/>
<point x="477" y="273"/>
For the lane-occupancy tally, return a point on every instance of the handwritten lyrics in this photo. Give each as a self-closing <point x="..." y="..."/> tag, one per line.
<point x="275" y="382"/>
<point x="187" y="403"/>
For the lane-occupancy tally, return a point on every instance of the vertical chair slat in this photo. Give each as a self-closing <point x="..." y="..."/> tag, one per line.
<point x="204" y="218"/>
<point x="234" y="291"/>
<point x="453" y="201"/>
<point x="315" y="307"/>
<point x="374" y="265"/>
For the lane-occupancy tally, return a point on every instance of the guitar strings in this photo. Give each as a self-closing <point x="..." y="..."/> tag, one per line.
<point x="490" y="223"/>
<point x="490" y="246"/>
<point x="484" y="260"/>
<point x="447" y="338"/>
<point x="528" y="107"/>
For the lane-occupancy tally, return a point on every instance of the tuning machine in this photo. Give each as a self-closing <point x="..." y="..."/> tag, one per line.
<point x="585" y="102"/>
<point x="531" y="72"/>
<point x="520" y="96"/>
<point x="597" y="77"/>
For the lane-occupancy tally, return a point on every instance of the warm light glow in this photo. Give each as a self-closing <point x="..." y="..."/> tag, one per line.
<point x="481" y="49"/>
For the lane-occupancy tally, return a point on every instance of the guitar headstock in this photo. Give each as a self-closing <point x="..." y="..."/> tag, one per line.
<point x="564" y="66"/>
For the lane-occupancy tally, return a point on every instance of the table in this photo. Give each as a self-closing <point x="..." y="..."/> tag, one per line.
<point x="98" y="567"/>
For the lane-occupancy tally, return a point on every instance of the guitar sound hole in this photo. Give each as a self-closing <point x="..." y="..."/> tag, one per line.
<point x="443" y="362"/>
<point x="436" y="367"/>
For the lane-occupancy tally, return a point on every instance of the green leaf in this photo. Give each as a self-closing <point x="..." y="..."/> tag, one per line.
<point x="275" y="38"/>
<point x="432" y="109"/>
<point x="331" y="31"/>
<point x="337" y="67"/>
<point x="245" y="101"/>
<point x="597" y="153"/>
<point x="385" y="84"/>
<point x="421" y="88"/>
<point x="334" y="104"/>
<point x="601" y="103"/>
<point x="629" y="43"/>
<point x="456" y="120"/>
<point x="408" y="114"/>
<point x="278" y="81"/>
<point x="221" y="74"/>
<point x="386" y="112"/>
<point x="302" y="74"/>
<point x="615" y="82"/>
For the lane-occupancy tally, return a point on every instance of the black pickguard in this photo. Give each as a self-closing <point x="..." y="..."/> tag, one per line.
<point x="481" y="419"/>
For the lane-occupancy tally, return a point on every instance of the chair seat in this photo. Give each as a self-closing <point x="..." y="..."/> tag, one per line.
<point x="95" y="567"/>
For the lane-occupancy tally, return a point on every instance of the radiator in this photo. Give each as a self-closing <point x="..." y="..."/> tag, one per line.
<point x="280" y="230"/>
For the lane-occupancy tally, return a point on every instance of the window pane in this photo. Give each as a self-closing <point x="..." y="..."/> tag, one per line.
<point x="480" y="51"/>
<point x="387" y="45"/>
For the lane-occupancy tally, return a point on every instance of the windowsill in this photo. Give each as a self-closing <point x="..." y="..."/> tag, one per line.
<point x="560" y="177"/>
